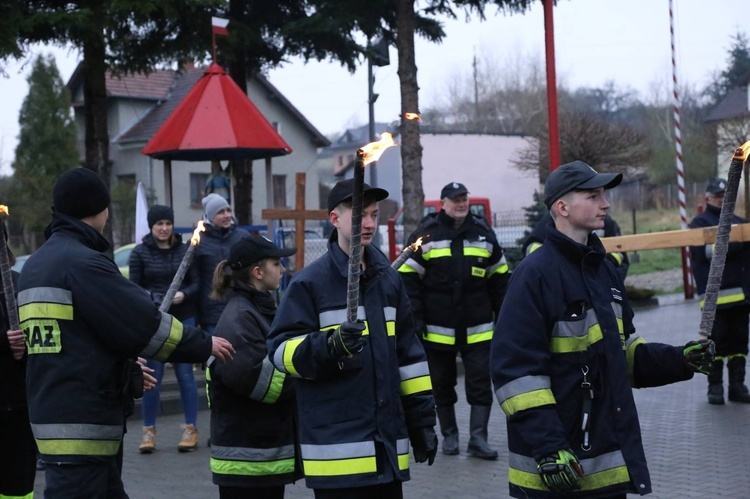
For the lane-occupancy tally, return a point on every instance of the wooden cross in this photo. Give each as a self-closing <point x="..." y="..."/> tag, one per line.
<point x="299" y="215"/>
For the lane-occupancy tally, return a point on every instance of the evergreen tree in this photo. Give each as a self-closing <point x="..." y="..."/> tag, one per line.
<point x="46" y="147"/>
<point x="737" y="72"/>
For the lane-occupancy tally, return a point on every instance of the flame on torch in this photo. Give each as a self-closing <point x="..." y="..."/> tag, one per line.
<point x="372" y="151"/>
<point x="415" y="246"/>
<point x="413" y="116"/>
<point x="196" y="239"/>
<point x="4" y="209"/>
<point x="742" y="152"/>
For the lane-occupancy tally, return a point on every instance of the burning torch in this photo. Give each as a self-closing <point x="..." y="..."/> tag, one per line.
<point x="365" y="155"/>
<point x="182" y="269"/>
<point x="716" y="271"/>
<point x="406" y="254"/>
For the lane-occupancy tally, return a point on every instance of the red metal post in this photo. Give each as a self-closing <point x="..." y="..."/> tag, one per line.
<point x="549" y="46"/>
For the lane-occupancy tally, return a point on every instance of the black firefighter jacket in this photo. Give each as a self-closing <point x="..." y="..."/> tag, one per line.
<point x="735" y="282"/>
<point x="456" y="281"/>
<point x="355" y="415"/>
<point x="83" y="320"/>
<point x="566" y="314"/>
<point x="252" y="402"/>
<point x="154" y="268"/>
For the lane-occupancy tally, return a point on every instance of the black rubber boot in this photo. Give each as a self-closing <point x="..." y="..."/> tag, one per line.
<point x="478" y="446"/>
<point x="449" y="429"/>
<point x="715" y="384"/>
<point x="737" y="390"/>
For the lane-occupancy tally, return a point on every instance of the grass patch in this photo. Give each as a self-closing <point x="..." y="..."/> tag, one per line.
<point x="651" y="221"/>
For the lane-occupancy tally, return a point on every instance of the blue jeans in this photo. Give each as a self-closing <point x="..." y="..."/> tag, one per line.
<point x="188" y="390"/>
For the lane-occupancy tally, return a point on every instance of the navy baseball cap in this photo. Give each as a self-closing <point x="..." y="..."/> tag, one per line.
<point x="576" y="175"/>
<point x="453" y="190"/>
<point x="716" y="185"/>
<point x="344" y="190"/>
<point x="252" y="249"/>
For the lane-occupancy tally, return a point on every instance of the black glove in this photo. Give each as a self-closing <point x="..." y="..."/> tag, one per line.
<point x="424" y="441"/>
<point x="699" y="355"/>
<point x="559" y="471"/>
<point x="346" y="340"/>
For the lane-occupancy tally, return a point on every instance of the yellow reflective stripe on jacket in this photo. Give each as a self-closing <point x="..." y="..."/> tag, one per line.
<point x="402" y="449"/>
<point x="436" y="249"/>
<point x="729" y="295"/>
<point x="532" y="248"/>
<point x="30" y="495"/>
<point x="439" y="334"/>
<point x="341" y="459"/>
<point x="501" y="267"/>
<point x="525" y="393"/>
<point x="619" y="257"/>
<point x="45" y="303"/>
<point x="415" y="378"/>
<point x="411" y="265"/>
<point x="629" y="347"/>
<point x="283" y="358"/>
<point x="165" y="339"/>
<point x="480" y="333"/>
<point x="78" y="439"/>
<point x="270" y="382"/>
<point x="390" y="320"/>
<point x="601" y="471"/>
<point x="575" y="336"/>
<point x="252" y="462"/>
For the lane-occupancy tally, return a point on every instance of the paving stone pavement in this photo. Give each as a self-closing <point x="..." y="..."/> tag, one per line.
<point x="694" y="450"/>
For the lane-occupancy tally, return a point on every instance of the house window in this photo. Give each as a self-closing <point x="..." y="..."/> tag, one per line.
<point x="126" y="180"/>
<point x="279" y="191"/>
<point x="197" y="188"/>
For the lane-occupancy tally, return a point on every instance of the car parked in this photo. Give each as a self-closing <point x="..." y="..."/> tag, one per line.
<point x="122" y="258"/>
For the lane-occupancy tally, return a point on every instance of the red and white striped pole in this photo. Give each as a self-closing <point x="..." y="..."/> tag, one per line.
<point x="687" y="276"/>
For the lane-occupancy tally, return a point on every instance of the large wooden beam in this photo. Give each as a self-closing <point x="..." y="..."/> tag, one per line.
<point x="673" y="239"/>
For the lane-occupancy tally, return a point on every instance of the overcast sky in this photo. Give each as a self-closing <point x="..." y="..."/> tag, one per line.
<point x="625" y="41"/>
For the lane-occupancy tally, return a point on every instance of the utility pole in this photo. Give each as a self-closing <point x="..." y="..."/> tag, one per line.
<point x="475" y="75"/>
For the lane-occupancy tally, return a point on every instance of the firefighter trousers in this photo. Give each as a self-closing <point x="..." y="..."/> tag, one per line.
<point x="18" y="455"/>
<point x="477" y="380"/>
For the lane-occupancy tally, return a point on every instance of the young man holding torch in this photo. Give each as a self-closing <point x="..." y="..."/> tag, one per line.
<point x="364" y="390"/>
<point x="565" y="356"/>
<point x="84" y="322"/>
<point x="730" y="329"/>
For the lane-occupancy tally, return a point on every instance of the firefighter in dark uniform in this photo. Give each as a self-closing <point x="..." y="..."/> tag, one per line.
<point x="364" y="388"/>
<point x="565" y="357"/>
<point x="456" y="282"/>
<point x="611" y="229"/>
<point x="83" y="322"/>
<point x="730" y="330"/>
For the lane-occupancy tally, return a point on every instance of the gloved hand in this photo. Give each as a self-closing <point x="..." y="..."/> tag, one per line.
<point x="699" y="355"/>
<point x="424" y="441"/>
<point x="346" y="340"/>
<point x="559" y="471"/>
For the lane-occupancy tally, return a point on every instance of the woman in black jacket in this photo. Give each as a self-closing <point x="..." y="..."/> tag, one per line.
<point x="252" y="403"/>
<point x="153" y="265"/>
<point x="18" y="455"/>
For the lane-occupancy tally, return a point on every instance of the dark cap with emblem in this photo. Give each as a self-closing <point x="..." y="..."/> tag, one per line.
<point x="252" y="249"/>
<point x="716" y="186"/>
<point x="453" y="190"/>
<point x="344" y="191"/>
<point x="576" y="176"/>
<point x="80" y="193"/>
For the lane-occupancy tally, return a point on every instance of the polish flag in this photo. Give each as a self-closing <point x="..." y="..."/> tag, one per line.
<point x="219" y="26"/>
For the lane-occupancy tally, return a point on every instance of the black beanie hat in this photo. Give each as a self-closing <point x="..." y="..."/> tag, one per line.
<point x="159" y="212"/>
<point x="80" y="193"/>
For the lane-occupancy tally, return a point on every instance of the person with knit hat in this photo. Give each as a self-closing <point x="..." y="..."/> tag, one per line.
<point x="85" y="324"/>
<point x="220" y="234"/>
<point x="153" y="264"/>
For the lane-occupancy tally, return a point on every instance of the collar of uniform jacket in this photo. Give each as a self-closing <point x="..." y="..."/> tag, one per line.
<point x="341" y="259"/>
<point x="593" y="251"/>
<point x="81" y="231"/>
